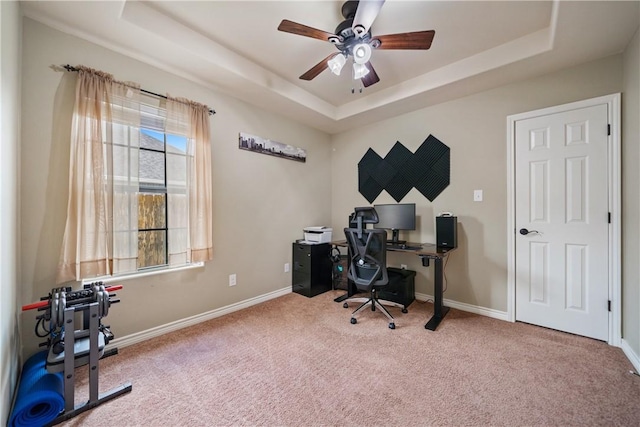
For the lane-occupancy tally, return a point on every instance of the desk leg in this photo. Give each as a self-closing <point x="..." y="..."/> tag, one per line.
<point x="439" y="310"/>
<point x="341" y="298"/>
<point x="351" y="287"/>
<point x="351" y="291"/>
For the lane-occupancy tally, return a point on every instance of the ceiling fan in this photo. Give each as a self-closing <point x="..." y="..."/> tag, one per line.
<point x="353" y="38"/>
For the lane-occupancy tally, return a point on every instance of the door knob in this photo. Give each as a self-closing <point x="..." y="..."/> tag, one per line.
<point x="524" y="231"/>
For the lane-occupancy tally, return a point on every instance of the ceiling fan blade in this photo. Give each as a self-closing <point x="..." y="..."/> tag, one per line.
<point x="366" y="13"/>
<point x="318" y="68"/>
<point x="371" y="78"/>
<point x="302" y="30"/>
<point x="415" y="40"/>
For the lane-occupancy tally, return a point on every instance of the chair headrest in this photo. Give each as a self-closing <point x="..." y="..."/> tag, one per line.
<point x="367" y="214"/>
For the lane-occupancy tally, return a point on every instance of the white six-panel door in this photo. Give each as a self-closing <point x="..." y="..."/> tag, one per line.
<point x="561" y="200"/>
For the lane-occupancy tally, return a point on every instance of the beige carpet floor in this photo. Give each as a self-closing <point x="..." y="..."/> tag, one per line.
<point x="297" y="361"/>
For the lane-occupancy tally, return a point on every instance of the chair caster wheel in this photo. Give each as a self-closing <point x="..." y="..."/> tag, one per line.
<point x="345" y="305"/>
<point x="404" y="310"/>
<point x="354" y="320"/>
<point x="392" y="325"/>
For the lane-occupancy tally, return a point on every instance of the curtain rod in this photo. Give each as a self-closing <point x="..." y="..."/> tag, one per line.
<point x="72" y="68"/>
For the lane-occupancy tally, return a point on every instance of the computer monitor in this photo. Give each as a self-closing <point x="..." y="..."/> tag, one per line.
<point x="396" y="217"/>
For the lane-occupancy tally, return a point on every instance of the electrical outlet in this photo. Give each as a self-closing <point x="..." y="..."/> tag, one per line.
<point x="403" y="266"/>
<point x="232" y="280"/>
<point x="286" y="267"/>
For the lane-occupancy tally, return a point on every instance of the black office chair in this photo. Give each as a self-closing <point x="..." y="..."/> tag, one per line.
<point x="368" y="263"/>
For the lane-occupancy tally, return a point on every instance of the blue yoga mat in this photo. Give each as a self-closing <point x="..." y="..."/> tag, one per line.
<point x="40" y="397"/>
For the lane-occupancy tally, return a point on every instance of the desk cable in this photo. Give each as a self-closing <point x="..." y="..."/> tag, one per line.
<point x="444" y="273"/>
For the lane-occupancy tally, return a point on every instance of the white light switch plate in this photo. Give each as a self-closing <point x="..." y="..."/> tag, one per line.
<point x="477" y="195"/>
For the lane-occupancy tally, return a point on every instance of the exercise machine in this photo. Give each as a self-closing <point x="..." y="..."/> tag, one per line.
<point x="72" y="324"/>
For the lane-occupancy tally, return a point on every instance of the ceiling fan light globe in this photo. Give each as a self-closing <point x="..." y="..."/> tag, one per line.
<point x="361" y="53"/>
<point x="359" y="71"/>
<point x="336" y="63"/>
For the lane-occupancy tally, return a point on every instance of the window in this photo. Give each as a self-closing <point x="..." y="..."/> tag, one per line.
<point x="159" y="180"/>
<point x="139" y="182"/>
<point x="152" y="199"/>
<point x="163" y="184"/>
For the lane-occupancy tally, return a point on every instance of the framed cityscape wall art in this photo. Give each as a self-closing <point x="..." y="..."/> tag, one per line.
<point x="273" y="148"/>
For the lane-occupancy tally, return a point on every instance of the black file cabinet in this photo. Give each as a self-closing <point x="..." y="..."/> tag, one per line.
<point x="311" y="269"/>
<point x="401" y="287"/>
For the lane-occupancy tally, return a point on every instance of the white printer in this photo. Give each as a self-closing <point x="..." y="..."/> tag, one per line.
<point x="317" y="234"/>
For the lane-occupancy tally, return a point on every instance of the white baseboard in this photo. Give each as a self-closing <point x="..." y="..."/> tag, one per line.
<point x="483" y="311"/>
<point x="194" y="320"/>
<point x="631" y="355"/>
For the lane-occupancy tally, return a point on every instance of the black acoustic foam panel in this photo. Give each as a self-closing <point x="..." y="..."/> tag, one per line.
<point x="367" y="184"/>
<point x="401" y="170"/>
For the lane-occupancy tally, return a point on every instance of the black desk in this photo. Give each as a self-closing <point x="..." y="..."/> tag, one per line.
<point x="427" y="252"/>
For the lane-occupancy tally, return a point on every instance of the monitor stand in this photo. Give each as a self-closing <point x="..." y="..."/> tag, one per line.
<point x="394" y="238"/>
<point x="396" y="242"/>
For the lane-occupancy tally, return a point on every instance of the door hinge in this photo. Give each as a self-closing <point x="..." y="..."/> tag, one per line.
<point x="609" y="305"/>
<point x="608" y="129"/>
<point x="609" y="217"/>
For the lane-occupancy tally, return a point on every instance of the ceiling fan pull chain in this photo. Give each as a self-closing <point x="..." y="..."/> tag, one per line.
<point x="353" y="89"/>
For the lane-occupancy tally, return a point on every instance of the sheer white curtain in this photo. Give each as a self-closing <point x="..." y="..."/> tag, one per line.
<point x="97" y="196"/>
<point x="191" y="223"/>
<point x="122" y="146"/>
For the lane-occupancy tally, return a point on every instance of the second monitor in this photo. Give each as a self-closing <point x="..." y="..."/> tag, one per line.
<point x="396" y="217"/>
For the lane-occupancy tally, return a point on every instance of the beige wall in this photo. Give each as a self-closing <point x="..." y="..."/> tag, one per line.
<point x="10" y="28"/>
<point x="261" y="203"/>
<point x="631" y="196"/>
<point x="474" y="128"/>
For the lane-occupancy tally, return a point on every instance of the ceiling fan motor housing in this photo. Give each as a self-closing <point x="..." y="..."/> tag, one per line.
<point x="344" y="29"/>
<point x="347" y="39"/>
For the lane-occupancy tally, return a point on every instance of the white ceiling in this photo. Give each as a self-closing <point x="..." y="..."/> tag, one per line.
<point x="235" y="47"/>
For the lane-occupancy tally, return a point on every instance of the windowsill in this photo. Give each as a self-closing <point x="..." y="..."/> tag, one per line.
<point x="139" y="274"/>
